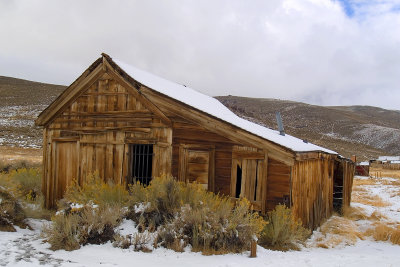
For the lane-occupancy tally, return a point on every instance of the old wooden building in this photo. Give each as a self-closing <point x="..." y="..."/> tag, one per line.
<point x="130" y="126"/>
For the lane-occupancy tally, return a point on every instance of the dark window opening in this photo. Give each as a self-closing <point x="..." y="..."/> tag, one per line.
<point x="141" y="163"/>
<point x="238" y="181"/>
<point x="255" y="187"/>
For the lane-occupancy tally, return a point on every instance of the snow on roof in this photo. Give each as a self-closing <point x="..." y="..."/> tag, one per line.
<point x="364" y="163"/>
<point x="215" y="108"/>
<point x="389" y="158"/>
<point x="395" y="162"/>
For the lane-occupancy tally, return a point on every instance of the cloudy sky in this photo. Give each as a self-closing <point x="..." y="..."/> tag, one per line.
<point x="325" y="52"/>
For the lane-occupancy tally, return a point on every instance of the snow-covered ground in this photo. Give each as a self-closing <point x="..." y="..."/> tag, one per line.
<point x="26" y="248"/>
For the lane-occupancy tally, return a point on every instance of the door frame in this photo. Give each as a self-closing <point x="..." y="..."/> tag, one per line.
<point x="183" y="162"/>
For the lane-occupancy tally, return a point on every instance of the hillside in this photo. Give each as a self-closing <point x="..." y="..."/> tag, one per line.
<point x="20" y="103"/>
<point x="361" y="130"/>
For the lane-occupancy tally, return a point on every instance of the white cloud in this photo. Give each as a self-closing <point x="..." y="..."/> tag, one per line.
<point x="305" y="50"/>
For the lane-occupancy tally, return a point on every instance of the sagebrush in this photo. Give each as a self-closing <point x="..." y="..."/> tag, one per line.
<point x="283" y="230"/>
<point x="87" y="225"/>
<point x="187" y="214"/>
<point x="95" y="189"/>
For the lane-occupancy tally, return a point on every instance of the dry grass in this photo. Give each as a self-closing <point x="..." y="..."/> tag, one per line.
<point x="10" y="155"/>
<point x="385" y="172"/>
<point x="368" y="199"/>
<point x="395" y="236"/>
<point x="337" y="231"/>
<point x="347" y="229"/>
<point x="354" y="213"/>
<point x="359" y="189"/>
<point x="369" y="181"/>
<point x="393" y="183"/>
<point x="384" y="232"/>
<point x="377" y="216"/>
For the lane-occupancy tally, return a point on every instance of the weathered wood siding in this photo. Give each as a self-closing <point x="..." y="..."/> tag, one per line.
<point x="101" y="123"/>
<point x="312" y="190"/>
<point x="348" y="174"/>
<point x="278" y="184"/>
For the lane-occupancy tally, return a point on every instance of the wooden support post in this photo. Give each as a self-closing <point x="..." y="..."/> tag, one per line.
<point x="253" y="249"/>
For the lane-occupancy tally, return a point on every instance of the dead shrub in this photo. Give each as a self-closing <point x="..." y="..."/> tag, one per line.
<point x="139" y="241"/>
<point x="282" y="231"/>
<point x="123" y="242"/>
<point x="63" y="232"/>
<point x="11" y="212"/>
<point x="88" y="225"/>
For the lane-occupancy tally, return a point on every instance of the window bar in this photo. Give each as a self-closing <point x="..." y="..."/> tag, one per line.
<point x="140" y="163"/>
<point x="143" y="159"/>
<point x="147" y="165"/>
<point x="255" y="187"/>
<point x="144" y="164"/>
<point x="135" y="164"/>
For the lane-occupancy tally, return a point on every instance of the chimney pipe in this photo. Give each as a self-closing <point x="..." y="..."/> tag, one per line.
<point x="280" y="124"/>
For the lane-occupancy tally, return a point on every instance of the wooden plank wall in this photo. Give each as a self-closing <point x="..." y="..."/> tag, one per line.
<point x="312" y="190"/>
<point x="348" y="175"/>
<point x="278" y="183"/>
<point x="103" y="120"/>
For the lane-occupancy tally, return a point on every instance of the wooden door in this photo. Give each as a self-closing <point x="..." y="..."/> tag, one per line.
<point x="197" y="169"/>
<point x="66" y="166"/>
<point x="197" y="166"/>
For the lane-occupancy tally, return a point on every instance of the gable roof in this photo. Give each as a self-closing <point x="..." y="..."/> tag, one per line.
<point x="196" y="100"/>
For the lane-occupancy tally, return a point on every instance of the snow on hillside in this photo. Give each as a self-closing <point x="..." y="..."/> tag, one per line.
<point x="17" y="126"/>
<point x="26" y="247"/>
<point x="377" y="136"/>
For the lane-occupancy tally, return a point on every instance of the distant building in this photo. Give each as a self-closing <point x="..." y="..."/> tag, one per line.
<point x="386" y="162"/>
<point x="362" y="168"/>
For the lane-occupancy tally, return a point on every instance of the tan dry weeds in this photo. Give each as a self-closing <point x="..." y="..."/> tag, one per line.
<point x="345" y="230"/>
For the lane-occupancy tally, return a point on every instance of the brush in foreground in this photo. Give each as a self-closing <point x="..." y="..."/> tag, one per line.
<point x="282" y="231"/>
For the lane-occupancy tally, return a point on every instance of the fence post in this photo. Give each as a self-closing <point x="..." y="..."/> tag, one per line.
<point x="253" y="249"/>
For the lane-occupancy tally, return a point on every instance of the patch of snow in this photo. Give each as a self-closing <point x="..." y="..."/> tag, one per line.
<point x="142" y="207"/>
